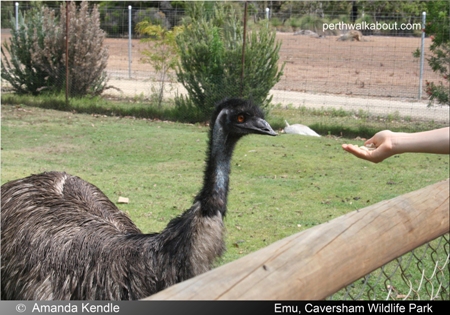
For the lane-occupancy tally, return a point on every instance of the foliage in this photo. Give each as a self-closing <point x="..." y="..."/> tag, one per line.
<point x="345" y="11"/>
<point x="210" y="65"/>
<point x="338" y="122"/>
<point x="440" y="63"/>
<point x="97" y="106"/>
<point x="312" y="22"/>
<point x="294" y="23"/>
<point x="18" y="68"/>
<point x="37" y="52"/>
<point x="438" y="28"/>
<point x="380" y="10"/>
<point x="7" y="10"/>
<point x="438" y="21"/>
<point x="313" y="7"/>
<point x="162" y="52"/>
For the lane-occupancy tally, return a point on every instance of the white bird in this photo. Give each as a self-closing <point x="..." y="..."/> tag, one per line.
<point x="298" y="129"/>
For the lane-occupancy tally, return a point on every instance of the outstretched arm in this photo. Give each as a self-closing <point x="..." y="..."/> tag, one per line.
<point x="388" y="143"/>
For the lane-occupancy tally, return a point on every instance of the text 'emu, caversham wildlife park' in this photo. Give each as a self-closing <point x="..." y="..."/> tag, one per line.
<point x="312" y="308"/>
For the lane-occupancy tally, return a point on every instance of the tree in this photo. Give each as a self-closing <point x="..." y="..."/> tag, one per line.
<point x="210" y="66"/>
<point x="162" y="53"/>
<point x="438" y="28"/>
<point x="37" y="52"/>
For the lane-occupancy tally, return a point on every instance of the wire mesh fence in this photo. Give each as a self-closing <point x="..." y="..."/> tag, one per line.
<point x="422" y="274"/>
<point x="375" y="71"/>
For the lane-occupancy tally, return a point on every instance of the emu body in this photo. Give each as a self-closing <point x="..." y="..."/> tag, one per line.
<point x="62" y="238"/>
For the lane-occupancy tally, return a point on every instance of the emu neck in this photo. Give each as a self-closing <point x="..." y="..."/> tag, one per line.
<point x="213" y="197"/>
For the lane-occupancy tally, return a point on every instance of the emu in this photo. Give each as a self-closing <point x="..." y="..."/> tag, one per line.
<point x="62" y="238"/>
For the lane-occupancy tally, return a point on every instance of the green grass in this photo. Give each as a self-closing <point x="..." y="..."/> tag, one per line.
<point x="134" y="106"/>
<point x="278" y="186"/>
<point x="349" y="123"/>
<point x="325" y="121"/>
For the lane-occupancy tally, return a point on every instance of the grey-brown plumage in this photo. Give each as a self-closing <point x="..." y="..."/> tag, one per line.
<point x="63" y="239"/>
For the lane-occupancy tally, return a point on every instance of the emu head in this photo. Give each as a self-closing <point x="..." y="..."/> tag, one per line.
<point x="238" y="117"/>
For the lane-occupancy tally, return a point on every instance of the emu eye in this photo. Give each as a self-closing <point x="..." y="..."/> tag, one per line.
<point x="240" y="118"/>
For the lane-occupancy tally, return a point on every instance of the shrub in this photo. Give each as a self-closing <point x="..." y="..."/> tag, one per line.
<point x="439" y="29"/>
<point x="440" y="63"/>
<point x="162" y="55"/>
<point x="312" y="22"/>
<point x="295" y="23"/>
<point x="19" y="69"/>
<point x="38" y="47"/>
<point x="210" y="64"/>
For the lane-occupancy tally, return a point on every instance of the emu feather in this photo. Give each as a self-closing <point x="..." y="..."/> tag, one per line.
<point x="62" y="238"/>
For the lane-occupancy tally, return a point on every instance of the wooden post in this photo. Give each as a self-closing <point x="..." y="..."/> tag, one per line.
<point x="318" y="262"/>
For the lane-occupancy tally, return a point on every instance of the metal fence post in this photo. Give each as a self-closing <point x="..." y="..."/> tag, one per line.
<point x="422" y="53"/>
<point x="17" y="16"/>
<point x="129" y="41"/>
<point x="67" y="54"/>
<point x="243" y="48"/>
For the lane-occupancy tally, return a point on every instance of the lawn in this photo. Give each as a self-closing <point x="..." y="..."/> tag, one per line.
<point x="278" y="186"/>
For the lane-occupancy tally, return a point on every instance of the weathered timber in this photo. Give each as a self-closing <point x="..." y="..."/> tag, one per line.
<point x="318" y="262"/>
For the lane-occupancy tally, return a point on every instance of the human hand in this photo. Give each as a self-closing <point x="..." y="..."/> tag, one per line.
<point x="376" y="149"/>
<point x="387" y="143"/>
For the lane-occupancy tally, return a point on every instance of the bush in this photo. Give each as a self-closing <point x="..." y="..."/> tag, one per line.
<point x="19" y="69"/>
<point x="312" y="22"/>
<point x="37" y="52"/>
<point x="210" y="65"/>
<point x="438" y="28"/>
<point x="7" y="9"/>
<point x="440" y="63"/>
<point x="162" y="55"/>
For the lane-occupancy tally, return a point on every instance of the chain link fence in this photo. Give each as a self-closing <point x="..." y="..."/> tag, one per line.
<point x="327" y="64"/>
<point x="378" y="72"/>
<point x="375" y="71"/>
<point x="422" y="274"/>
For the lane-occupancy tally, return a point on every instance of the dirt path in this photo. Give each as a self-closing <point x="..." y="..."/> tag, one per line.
<point x="408" y="108"/>
<point x="318" y="73"/>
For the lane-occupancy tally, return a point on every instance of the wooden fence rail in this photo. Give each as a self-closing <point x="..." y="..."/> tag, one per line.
<point x="316" y="263"/>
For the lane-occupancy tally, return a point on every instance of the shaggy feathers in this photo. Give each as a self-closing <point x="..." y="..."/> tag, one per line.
<point x="62" y="238"/>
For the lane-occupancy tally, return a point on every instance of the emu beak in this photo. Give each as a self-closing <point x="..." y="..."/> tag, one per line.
<point x="260" y="126"/>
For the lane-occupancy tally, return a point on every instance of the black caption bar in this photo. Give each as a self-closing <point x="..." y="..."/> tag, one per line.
<point x="220" y="307"/>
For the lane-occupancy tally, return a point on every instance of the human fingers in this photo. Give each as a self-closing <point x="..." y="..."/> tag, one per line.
<point x="357" y="151"/>
<point x="373" y="154"/>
